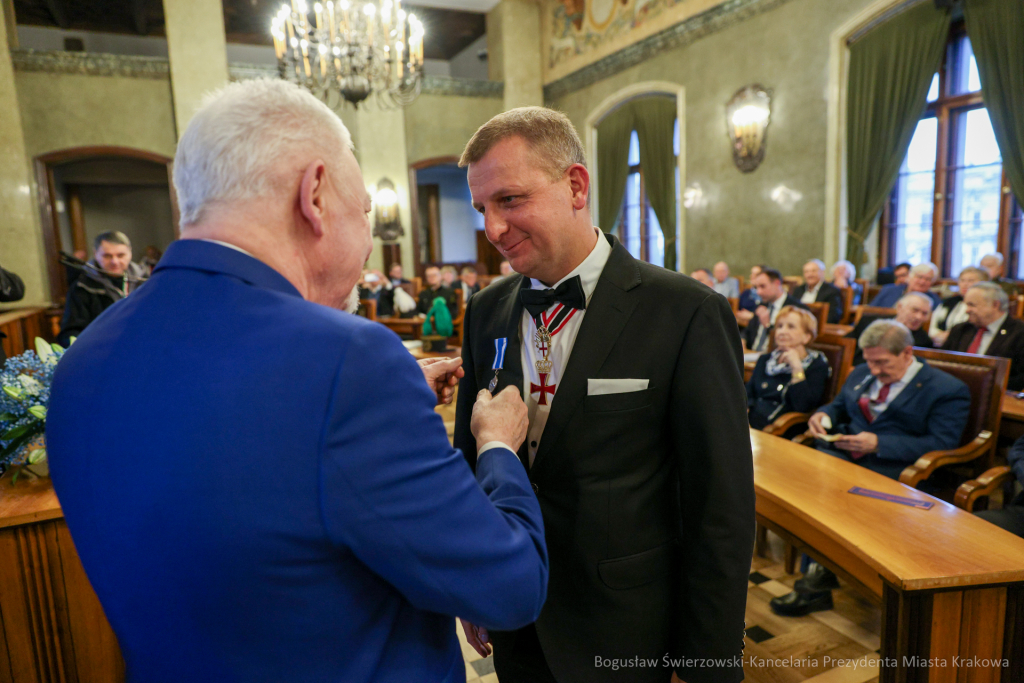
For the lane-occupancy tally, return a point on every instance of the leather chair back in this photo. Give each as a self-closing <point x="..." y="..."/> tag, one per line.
<point x="838" y="351"/>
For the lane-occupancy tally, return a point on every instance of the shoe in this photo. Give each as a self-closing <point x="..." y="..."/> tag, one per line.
<point x="798" y="604"/>
<point x="817" y="578"/>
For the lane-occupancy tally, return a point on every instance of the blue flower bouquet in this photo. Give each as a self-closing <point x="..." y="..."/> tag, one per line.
<point x="25" y="382"/>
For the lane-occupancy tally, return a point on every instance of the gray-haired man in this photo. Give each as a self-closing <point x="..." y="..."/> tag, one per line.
<point x="990" y="331"/>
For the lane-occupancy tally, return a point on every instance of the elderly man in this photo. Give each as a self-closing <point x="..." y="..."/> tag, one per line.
<point x="435" y="288"/>
<point x="285" y="506"/>
<point x="889" y="412"/>
<point x="990" y="331"/>
<point x="816" y="290"/>
<point x="921" y="278"/>
<point x="843" y="276"/>
<point x="953" y="310"/>
<point x="703" y="276"/>
<point x="638" y="446"/>
<point x="468" y="282"/>
<point x="749" y="300"/>
<point x="729" y="287"/>
<point x="395" y="275"/>
<point x="912" y="312"/>
<point x="108" y="278"/>
<point x="993" y="265"/>
<point x="772" y="292"/>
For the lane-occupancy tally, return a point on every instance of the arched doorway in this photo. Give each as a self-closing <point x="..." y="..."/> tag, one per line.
<point x="84" y="191"/>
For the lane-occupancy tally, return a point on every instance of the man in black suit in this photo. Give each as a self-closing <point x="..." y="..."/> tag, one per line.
<point x="772" y="290"/>
<point x="435" y="288"/>
<point x="912" y="311"/>
<point x="816" y="290"/>
<point x="638" y="446"/>
<point x="990" y="331"/>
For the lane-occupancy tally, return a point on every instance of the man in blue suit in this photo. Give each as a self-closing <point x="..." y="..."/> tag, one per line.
<point x="891" y="411"/>
<point x="283" y="504"/>
<point x="921" y="278"/>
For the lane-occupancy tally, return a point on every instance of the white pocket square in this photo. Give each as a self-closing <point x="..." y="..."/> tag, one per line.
<point x="598" y="387"/>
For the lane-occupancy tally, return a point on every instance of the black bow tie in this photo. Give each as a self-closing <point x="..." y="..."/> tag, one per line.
<point x="570" y="293"/>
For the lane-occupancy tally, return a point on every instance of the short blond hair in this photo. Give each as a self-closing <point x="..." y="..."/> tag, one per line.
<point x="807" y="320"/>
<point x="549" y="134"/>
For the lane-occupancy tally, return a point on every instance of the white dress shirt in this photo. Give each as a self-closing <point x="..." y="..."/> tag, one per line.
<point x="810" y="295"/>
<point x="953" y="317"/>
<point x="761" y="342"/>
<point x="561" y="343"/>
<point x="990" y="333"/>
<point x="894" y="389"/>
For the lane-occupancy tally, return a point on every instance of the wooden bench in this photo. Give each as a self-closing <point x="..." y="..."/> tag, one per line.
<point x="21" y="327"/>
<point x="950" y="584"/>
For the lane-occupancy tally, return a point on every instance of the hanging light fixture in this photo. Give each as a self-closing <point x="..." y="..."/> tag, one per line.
<point x="351" y="50"/>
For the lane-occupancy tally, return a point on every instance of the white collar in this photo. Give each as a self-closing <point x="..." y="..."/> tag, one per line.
<point x="228" y="245"/>
<point x="815" y="289"/>
<point x="589" y="270"/>
<point x="908" y="376"/>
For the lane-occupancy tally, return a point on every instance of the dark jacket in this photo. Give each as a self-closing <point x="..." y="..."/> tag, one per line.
<point x="749" y="299"/>
<point x="94" y="292"/>
<point x="647" y="495"/>
<point x="426" y="299"/>
<point x="827" y="294"/>
<point x="385" y="298"/>
<point x="920" y="336"/>
<point x="752" y="329"/>
<point x="769" y="396"/>
<point x="890" y="294"/>
<point x="1008" y="343"/>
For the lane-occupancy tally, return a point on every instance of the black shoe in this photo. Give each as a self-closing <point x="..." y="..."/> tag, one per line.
<point x="817" y="578"/>
<point x="798" y="604"/>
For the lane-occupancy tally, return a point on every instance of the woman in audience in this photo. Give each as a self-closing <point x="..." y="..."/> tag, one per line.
<point x="844" y="275"/>
<point x="791" y="378"/>
<point x="953" y="311"/>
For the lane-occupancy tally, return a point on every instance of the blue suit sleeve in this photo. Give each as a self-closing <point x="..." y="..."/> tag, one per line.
<point x="395" y="492"/>
<point x="946" y="421"/>
<point x="1015" y="458"/>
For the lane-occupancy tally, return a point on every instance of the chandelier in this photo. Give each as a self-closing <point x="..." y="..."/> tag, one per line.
<point x="351" y="50"/>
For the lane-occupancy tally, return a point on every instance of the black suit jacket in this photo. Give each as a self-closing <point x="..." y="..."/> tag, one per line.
<point x="752" y="329"/>
<point x="920" y="336"/>
<point x="647" y="496"/>
<point x="1008" y="343"/>
<point x="426" y="299"/>
<point x="827" y="294"/>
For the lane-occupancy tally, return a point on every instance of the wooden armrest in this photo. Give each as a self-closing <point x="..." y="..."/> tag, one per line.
<point x="929" y="462"/>
<point x="783" y="423"/>
<point x="805" y="439"/>
<point x="983" y="486"/>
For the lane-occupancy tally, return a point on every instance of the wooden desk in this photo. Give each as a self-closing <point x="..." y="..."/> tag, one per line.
<point x="1012" y="424"/>
<point x="404" y="326"/>
<point x="52" y="627"/>
<point x="950" y="584"/>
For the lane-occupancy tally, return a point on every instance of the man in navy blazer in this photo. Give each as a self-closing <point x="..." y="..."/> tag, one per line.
<point x="921" y="278"/>
<point x="282" y="503"/>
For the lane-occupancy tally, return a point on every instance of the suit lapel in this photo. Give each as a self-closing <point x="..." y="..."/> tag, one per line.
<point x="609" y="309"/>
<point x="917" y="384"/>
<point x="505" y="323"/>
<point x="998" y="346"/>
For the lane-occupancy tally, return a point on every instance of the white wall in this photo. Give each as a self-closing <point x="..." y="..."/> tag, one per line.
<point x="141" y="212"/>
<point x="459" y="220"/>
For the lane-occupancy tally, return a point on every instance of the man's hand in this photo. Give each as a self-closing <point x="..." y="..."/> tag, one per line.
<point x="744" y="316"/>
<point x="501" y="418"/>
<point x="442" y="374"/>
<point x="477" y="638"/>
<point x="814" y="424"/>
<point x="764" y="315"/>
<point x="865" y="442"/>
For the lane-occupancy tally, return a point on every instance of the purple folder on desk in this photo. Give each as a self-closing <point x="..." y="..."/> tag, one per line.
<point x="911" y="502"/>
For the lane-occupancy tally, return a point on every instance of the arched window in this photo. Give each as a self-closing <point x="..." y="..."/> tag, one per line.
<point x="638" y="227"/>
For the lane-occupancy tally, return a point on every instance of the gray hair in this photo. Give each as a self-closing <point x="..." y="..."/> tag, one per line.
<point x="998" y="258"/>
<point x="112" y="237"/>
<point x="237" y="145"/>
<point x="926" y="267"/>
<point x="980" y="272"/>
<point x="890" y="335"/>
<point x="916" y="295"/>
<point x="851" y="270"/>
<point x="818" y="262"/>
<point x="993" y="294"/>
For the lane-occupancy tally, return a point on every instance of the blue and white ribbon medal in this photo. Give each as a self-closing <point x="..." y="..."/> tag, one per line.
<point x="499" y="361"/>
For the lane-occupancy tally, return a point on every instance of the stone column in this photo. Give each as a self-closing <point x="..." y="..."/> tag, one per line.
<point x="197" y="51"/>
<point x="20" y="234"/>
<point x="514" y="51"/>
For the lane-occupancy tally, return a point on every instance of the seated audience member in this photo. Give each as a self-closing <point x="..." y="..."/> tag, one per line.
<point x="110" y="277"/>
<point x="993" y="264"/>
<point x="911" y="311"/>
<point x="729" y="287"/>
<point x="504" y="270"/>
<point x="433" y="290"/>
<point x="395" y="275"/>
<point x="468" y="283"/>
<point x="703" y="276"/>
<point x="1011" y="517"/>
<point x="373" y="285"/>
<point x="921" y="278"/>
<point x="844" y="275"/>
<point x="749" y="298"/>
<point x="791" y="378"/>
<point x="890" y="412"/>
<point x="774" y="298"/>
<point x="898" y="274"/>
<point x="953" y="311"/>
<point x="990" y="331"/>
<point x="816" y="290"/>
<point x="449" y="277"/>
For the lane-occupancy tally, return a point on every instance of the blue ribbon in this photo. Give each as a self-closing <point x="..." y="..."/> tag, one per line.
<point x="499" y="353"/>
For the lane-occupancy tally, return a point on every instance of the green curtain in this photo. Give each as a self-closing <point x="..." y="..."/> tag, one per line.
<point x="613" y="164"/>
<point x="996" y="29"/>
<point x="891" y="68"/>
<point x="655" y="128"/>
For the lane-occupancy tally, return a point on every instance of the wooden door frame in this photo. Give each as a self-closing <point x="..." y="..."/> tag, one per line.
<point x="44" y="165"/>
<point x="414" y="203"/>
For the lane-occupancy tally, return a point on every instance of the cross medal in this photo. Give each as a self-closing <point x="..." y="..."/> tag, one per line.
<point x="542" y="340"/>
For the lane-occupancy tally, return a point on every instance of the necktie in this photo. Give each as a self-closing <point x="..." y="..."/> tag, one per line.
<point x="976" y="342"/>
<point x="865" y="404"/>
<point x="570" y="293"/>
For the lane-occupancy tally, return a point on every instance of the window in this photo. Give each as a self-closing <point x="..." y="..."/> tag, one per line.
<point x="951" y="203"/>
<point x="638" y="226"/>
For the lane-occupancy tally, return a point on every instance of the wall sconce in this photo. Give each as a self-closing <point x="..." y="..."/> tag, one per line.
<point x="387" y="224"/>
<point x="747" y="116"/>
